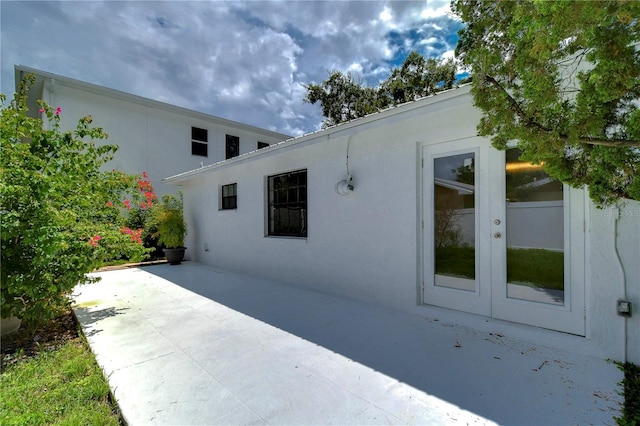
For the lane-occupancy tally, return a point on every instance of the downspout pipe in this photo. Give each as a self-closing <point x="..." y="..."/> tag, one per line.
<point x="616" y="219"/>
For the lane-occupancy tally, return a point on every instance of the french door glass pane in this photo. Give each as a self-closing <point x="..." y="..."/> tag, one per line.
<point x="454" y="221"/>
<point x="535" y="232"/>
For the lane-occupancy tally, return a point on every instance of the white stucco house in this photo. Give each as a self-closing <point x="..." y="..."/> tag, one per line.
<point x="409" y="209"/>
<point x="406" y="208"/>
<point x="155" y="137"/>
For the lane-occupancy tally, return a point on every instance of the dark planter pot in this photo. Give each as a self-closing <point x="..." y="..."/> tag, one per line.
<point x="175" y="255"/>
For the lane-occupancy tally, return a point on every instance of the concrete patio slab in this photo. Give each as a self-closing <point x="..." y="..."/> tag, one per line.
<point x="188" y="344"/>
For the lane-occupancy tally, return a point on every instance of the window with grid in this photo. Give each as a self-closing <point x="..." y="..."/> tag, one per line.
<point x="229" y="197"/>
<point x="232" y="146"/>
<point x="287" y="209"/>
<point x="199" y="141"/>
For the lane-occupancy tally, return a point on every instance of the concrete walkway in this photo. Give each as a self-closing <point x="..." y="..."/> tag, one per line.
<point x="187" y="345"/>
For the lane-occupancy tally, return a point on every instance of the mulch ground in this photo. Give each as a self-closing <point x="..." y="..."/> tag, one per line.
<point x="28" y="342"/>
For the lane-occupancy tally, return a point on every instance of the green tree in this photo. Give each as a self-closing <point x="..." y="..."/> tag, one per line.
<point x="562" y="80"/>
<point x="62" y="215"/>
<point x="418" y="77"/>
<point x="343" y="98"/>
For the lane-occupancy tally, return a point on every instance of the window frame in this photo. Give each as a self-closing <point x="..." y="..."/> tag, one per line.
<point x="197" y="141"/>
<point x="233" y="198"/>
<point x="291" y="196"/>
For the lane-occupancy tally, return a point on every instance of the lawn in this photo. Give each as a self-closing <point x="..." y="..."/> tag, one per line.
<point x="537" y="267"/>
<point x="53" y="384"/>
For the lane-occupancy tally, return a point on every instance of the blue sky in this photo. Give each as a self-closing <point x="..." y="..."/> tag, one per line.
<point x="242" y="60"/>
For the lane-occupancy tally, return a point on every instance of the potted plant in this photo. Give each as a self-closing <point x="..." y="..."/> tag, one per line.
<point x="171" y="228"/>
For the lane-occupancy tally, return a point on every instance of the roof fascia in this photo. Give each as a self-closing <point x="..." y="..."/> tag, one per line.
<point x="324" y="134"/>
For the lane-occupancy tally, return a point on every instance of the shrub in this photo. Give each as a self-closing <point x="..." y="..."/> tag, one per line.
<point x="62" y="214"/>
<point x="171" y="228"/>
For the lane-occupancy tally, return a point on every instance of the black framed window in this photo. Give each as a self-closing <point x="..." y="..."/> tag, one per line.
<point x="287" y="209"/>
<point x="229" y="196"/>
<point x="262" y="145"/>
<point x="232" y="146"/>
<point x="199" y="141"/>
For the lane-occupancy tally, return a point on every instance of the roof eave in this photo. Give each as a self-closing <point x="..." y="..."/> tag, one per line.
<point x="328" y="132"/>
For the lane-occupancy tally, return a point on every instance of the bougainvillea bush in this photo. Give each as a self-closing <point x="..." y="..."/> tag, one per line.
<point x="63" y="213"/>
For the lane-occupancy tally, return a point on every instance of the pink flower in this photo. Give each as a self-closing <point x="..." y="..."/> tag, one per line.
<point x="136" y="236"/>
<point x="145" y="175"/>
<point x="109" y="204"/>
<point x="127" y="204"/>
<point x="58" y="111"/>
<point x="41" y="110"/>
<point x="94" y="240"/>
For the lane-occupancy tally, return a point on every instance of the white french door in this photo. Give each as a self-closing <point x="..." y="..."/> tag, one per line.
<point x="497" y="237"/>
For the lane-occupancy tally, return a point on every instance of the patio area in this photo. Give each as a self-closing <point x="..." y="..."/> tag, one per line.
<point x="190" y="344"/>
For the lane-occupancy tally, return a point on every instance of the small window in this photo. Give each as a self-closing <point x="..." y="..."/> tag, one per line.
<point x="287" y="209"/>
<point x="232" y="146"/>
<point x="199" y="141"/>
<point x="262" y="145"/>
<point x="229" y="197"/>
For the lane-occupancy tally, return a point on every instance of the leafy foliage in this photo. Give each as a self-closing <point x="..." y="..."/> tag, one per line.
<point x="562" y="79"/>
<point x="631" y="391"/>
<point x="62" y="216"/>
<point x="168" y="218"/>
<point x="344" y="98"/>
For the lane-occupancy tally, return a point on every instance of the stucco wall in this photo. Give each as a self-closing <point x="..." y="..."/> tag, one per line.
<point x="151" y="139"/>
<point x="360" y="246"/>
<point x="613" y="272"/>
<point x="366" y="245"/>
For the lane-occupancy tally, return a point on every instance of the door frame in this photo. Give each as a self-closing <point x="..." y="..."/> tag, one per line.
<point x="478" y="301"/>
<point x="490" y="299"/>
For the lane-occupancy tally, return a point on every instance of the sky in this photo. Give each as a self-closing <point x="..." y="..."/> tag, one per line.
<point x="247" y="61"/>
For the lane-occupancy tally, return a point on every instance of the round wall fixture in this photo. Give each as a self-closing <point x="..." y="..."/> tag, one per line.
<point x="345" y="187"/>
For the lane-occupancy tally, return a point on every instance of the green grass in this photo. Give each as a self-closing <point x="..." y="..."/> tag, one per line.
<point x="63" y="386"/>
<point x="631" y="391"/>
<point x="456" y="261"/>
<point x="537" y="267"/>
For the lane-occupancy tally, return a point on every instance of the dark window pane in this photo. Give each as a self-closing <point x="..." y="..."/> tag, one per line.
<point x="288" y="204"/>
<point x="229" y="198"/>
<point x="232" y="146"/>
<point x="198" y="148"/>
<point x="198" y="134"/>
<point x="262" y="145"/>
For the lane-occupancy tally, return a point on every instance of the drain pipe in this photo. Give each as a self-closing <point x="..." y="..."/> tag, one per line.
<point x="616" y="218"/>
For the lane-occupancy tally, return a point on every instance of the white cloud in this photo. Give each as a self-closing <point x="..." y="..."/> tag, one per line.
<point x="355" y="68"/>
<point x="246" y="61"/>
<point x="436" y="9"/>
<point x="385" y="15"/>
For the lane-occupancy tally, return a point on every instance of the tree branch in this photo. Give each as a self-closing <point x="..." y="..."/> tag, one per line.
<point x="529" y="122"/>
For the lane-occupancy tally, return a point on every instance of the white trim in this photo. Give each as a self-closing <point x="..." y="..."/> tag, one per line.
<point x="399" y="112"/>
